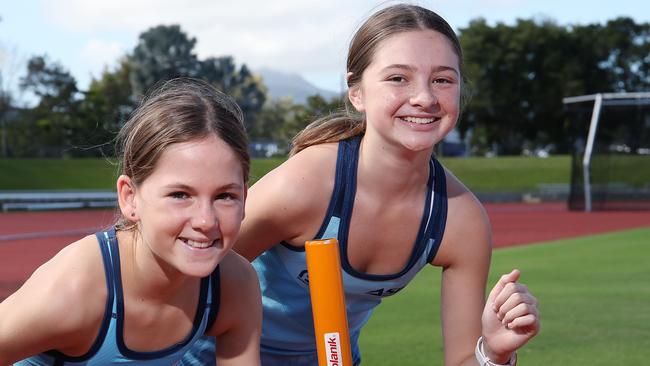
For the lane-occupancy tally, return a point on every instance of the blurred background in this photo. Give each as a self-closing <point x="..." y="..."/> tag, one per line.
<point x="556" y="116"/>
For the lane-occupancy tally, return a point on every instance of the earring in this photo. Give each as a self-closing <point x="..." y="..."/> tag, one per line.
<point x="132" y="214"/>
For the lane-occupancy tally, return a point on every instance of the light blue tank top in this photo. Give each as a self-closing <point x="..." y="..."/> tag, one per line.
<point x="287" y="324"/>
<point x="109" y="347"/>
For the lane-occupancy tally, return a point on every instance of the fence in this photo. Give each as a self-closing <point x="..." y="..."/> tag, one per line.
<point x="54" y="200"/>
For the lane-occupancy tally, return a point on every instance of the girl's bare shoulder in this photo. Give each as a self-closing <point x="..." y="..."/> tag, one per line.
<point x="240" y="299"/>
<point x="301" y="182"/>
<point x="467" y="229"/>
<point x="310" y="165"/>
<point x="63" y="302"/>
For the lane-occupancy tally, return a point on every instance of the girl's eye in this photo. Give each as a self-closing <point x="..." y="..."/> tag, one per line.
<point x="441" y="81"/>
<point x="397" y="78"/>
<point x="226" y="196"/>
<point x="179" y="195"/>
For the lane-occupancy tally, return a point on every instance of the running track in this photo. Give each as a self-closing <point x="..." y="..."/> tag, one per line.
<point x="28" y="239"/>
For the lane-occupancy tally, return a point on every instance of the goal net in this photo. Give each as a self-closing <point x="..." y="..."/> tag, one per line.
<point x="611" y="151"/>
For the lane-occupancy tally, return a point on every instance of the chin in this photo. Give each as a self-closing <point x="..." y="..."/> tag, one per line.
<point x="418" y="145"/>
<point x="198" y="270"/>
<point x="201" y="267"/>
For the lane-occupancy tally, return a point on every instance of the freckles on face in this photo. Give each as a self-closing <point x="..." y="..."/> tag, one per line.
<point x="410" y="92"/>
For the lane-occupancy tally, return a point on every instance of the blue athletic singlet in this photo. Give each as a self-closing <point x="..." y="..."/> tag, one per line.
<point x="287" y="330"/>
<point x="109" y="347"/>
<point x="288" y="323"/>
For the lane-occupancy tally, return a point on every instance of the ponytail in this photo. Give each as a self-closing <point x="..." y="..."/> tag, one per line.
<point x="380" y="26"/>
<point x="332" y="128"/>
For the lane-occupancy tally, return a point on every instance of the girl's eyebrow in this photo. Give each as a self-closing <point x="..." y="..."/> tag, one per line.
<point x="185" y="187"/>
<point x="412" y="68"/>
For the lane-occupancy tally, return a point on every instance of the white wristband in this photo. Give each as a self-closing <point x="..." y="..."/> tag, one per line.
<point x="483" y="360"/>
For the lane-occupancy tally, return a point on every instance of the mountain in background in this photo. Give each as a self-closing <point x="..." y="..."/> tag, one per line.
<point x="282" y="84"/>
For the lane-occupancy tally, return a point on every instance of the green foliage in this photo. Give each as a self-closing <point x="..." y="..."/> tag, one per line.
<point x="593" y="294"/>
<point x="247" y="89"/>
<point x="54" y="124"/>
<point x="162" y="53"/>
<point x="302" y="115"/>
<point x="107" y="103"/>
<point x="165" y="52"/>
<point x="519" y="74"/>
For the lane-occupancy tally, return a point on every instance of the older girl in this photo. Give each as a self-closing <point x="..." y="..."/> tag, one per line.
<point x="371" y="180"/>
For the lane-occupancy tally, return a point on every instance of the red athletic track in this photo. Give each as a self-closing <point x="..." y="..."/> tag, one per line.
<point x="28" y="239"/>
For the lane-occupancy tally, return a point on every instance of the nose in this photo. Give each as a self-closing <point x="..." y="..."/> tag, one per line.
<point x="423" y="96"/>
<point x="205" y="217"/>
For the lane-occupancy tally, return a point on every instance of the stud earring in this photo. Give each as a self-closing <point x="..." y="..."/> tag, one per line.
<point x="132" y="214"/>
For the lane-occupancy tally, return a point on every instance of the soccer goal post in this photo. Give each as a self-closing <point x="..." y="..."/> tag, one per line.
<point x="611" y="151"/>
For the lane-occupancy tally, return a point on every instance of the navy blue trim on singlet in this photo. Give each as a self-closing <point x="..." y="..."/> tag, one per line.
<point x="440" y="216"/>
<point x="140" y="355"/>
<point x="61" y="358"/>
<point x="344" y="206"/>
<point x="341" y="163"/>
<point x="341" y="206"/>
<point x="215" y="296"/>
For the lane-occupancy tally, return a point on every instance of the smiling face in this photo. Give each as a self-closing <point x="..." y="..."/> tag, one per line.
<point x="410" y="92"/>
<point x="189" y="210"/>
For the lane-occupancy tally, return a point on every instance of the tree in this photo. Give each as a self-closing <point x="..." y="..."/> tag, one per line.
<point x="163" y="52"/>
<point x="300" y="116"/>
<point x="627" y="47"/>
<point x="519" y="75"/>
<point x="107" y="104"/>
<point x="9" y="66"/>
<point x="52" y="126"/>
<point x="247" y="90"/>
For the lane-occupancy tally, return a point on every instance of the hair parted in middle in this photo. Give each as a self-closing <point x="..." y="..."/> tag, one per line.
<point x="378" y="27"/>
<point x="176" y="111"/>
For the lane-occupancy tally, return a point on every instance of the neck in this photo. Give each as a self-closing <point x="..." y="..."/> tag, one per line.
<point x="391" y="169"/>
<point x="145" y="275"/>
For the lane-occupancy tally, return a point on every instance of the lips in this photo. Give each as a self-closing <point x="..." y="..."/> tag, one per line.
<point x="200" y="244"/>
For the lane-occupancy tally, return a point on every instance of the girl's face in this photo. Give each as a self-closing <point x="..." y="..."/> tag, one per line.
<point x="190" y="208"/>
<point x="410" y="92"/>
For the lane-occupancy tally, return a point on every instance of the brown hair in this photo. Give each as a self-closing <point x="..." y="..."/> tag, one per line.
<point x="179" y="110"/>
<point x="381" y="25"/>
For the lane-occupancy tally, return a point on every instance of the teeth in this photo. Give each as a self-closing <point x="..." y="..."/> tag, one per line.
<point x="420" y="121"/>
<point x="198" y="244"/>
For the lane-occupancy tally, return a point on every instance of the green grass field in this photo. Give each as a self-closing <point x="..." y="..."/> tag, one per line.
<point x="509" y="174"/>
<point x="594" y="295"/>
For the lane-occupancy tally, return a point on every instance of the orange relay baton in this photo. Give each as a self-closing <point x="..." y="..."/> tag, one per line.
<point x="328" y="303"/>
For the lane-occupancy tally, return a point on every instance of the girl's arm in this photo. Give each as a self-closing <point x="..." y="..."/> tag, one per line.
<point x="238" y="325"/>
<point x="54" y="308"/>
<point x="509" y="318"/>
<point x="289" y="203"/>
<point x="465" y="257"/>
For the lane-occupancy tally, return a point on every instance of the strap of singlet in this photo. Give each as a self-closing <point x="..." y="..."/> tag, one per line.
<point x="346" y="155"/>
<point x="346" y="212"/>
<point x="346" y="175"/>
<point x="103" y="237"/>
<point x="214" y="298"/>
<point x="60" y="358"/>
<point x="439" y="219"/>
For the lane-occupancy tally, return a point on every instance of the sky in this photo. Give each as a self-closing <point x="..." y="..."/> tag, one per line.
<point x="309" y="38"/>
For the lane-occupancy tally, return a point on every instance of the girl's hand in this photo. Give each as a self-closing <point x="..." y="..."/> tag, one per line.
<point x="510" y="318"/>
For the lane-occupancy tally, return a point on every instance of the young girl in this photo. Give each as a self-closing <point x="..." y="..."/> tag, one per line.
<point x="373" y="183"/>
<point x="144" y="291"/>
